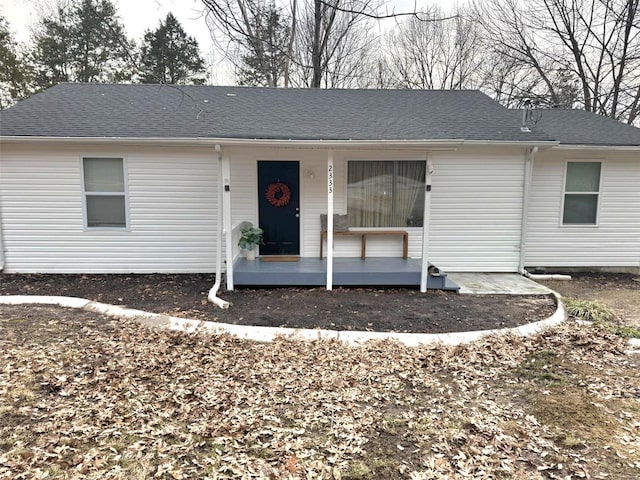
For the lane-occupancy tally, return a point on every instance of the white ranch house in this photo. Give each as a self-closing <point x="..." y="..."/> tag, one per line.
<point x="154" y="178"/>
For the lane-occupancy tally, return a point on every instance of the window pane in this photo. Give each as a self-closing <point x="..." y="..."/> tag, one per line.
<point x="103" y="175"/>
<point x="385" y="194"/>
<point x="409" y="199"/>
<point x="583" y="177"/>
<point x="369" y="194"/>
<point x="106" y="211"/>
<point x="580" y="209"/>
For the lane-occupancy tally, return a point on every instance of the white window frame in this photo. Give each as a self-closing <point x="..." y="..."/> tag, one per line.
<point x="565" y="193"/>
<point x="345" y="189"/>
<point x="125" y="193"/>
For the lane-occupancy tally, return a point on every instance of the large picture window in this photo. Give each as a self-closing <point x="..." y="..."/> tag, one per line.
<point x="386" y="194"/>
<point x="104" y="192"/>
<point x="581" y="193"/>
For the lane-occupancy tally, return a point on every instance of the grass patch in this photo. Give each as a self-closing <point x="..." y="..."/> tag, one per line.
<point x="579" y="419"/>
<point x="582" y="423"/>
<point x="600" y="314"/>
<point x="589" y="310"/>
<point x="394" y="425"/>
<point x="570" y="440"/>
<point x="371" y="468"/>
<point x="542" y="367"/>
<point x="625" y="331"/>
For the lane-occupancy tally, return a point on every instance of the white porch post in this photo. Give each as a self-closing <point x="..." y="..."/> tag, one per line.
<point x="226" y="217"/>
<point x="426" y="216"/>
<point x="330" y="182"/>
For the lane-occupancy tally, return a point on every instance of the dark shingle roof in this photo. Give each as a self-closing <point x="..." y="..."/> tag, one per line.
<point x="577" y="127"/>
<point x="161" y="111"/>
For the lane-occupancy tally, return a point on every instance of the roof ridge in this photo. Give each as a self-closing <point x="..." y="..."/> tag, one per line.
<point x="266" y="88"/>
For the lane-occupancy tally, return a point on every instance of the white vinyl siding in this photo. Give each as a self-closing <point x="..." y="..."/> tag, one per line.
<point x="614" y="243"/>
<point x="172" y="210"/>
<point x="476" y="209"/>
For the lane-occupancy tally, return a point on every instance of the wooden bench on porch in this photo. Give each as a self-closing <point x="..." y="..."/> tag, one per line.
<point x="363" y="234"/>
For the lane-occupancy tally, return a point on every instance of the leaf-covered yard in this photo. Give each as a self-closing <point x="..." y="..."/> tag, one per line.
<point x="84" y="396"/>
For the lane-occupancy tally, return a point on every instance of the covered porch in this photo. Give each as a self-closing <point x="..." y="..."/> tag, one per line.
<point x="316" y="184"/>
<point x="347" y="271"/>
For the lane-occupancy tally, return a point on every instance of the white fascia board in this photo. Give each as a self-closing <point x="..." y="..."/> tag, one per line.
<point x="444" y="144"/>
<point x="440" y="144"/>
<point x="543" y="144"/>
<point x="613" y="148"/>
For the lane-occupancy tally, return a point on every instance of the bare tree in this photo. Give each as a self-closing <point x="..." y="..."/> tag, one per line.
<point x="239" y="27"/>
<point x="332" y="45"/>
<point x="583" y="52"/>
<point x="424" y="52"/>
<point x="327" y="45"/>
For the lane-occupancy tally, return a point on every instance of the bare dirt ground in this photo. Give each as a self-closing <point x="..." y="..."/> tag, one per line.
<point x="83" y="396"/>
<point x="397" y="309"/>
<point x="621" y="292"/>
<point x="86" y="397"/>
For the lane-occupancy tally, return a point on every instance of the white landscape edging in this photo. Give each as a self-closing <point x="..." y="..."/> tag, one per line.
<point x="268" y="334"/>
<point x="69" y="302"/>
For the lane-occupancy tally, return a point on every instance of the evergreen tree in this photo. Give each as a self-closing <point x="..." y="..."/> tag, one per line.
<point x="84" y="42"/>
<point x="169" y="55"/>
<point x="265" y="57"/>
<point x="15" y="73"/>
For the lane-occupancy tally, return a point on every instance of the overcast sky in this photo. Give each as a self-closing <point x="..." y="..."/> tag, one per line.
<point x="139" y="16"/>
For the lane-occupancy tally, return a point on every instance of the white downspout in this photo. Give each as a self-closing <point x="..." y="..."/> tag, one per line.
<point x="213" y="298"/>
<point x="528" y="172"/>
<point x="330" y="186"/>
<point x="1" y="243"/>
<point x="426" y="217"/>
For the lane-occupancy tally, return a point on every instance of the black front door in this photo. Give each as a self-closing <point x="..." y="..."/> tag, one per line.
<point x="279" y="207"/>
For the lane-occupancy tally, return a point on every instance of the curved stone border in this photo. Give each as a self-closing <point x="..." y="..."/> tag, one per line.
<point x="268" y="334"/>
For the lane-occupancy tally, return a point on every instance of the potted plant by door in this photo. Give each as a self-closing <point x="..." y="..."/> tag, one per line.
<point x="250" y="238"/>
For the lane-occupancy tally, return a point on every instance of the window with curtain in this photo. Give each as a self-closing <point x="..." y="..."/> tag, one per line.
<point x="385" y="193"/>
<point x="104" y="192"/>
<point x="581" y="193"/>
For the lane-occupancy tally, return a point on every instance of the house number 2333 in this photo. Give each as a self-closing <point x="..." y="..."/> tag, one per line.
<point x="330" y="178"/>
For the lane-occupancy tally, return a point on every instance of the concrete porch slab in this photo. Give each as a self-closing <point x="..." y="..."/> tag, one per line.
<point x="497" y="284"/>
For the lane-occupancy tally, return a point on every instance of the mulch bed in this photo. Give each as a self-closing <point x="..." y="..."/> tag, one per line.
<point x="372" y="309"/>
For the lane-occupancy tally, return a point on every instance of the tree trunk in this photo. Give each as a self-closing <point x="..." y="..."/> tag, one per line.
<point x="292" y="38"/>
<point x="315" y="52"/>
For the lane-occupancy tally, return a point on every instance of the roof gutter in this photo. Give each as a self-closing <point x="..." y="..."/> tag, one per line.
<point x="609" y="148"/>
<point x="540" y="145"/>
<point x="448" y="143"/>
<point x="445" y="144"/>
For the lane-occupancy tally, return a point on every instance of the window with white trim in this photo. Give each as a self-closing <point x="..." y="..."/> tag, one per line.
<point x="581" y="193"/>
<point x="104" y="192"/>
<point x="386" y="193"/>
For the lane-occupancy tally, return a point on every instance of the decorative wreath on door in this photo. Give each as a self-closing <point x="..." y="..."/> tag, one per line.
<point x="278" y="194"/>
